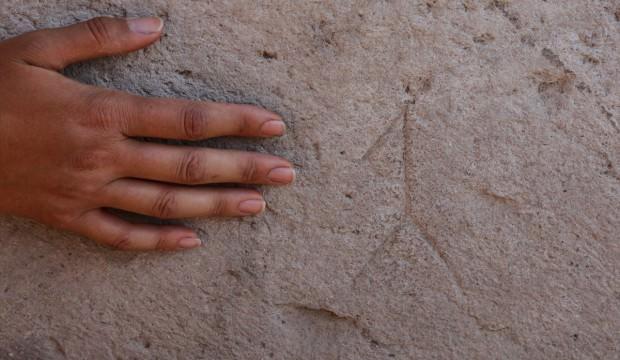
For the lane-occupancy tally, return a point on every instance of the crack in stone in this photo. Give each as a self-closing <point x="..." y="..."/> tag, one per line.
<point x="499" y="198"/>
<point x="266" y="222"/>
<point x="322" y="312"/>
<point x="502" y="6"/>
<point x="60" y="349"/>
<point x="484" y="326"/>
<point x="282" y="216"/>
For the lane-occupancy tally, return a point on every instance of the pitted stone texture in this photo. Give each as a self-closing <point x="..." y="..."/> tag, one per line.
<point x="458" y="193"/>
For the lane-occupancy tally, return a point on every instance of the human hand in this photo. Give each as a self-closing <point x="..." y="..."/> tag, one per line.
<point x="68" y="150"/>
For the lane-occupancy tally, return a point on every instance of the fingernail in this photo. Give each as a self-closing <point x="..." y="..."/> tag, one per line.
<point x="252" y="206"/>
<point x="189" y="243"/>
<point x="146" y="26"/>
<point x="282" y="175"/>
<point x="273" y="128"/>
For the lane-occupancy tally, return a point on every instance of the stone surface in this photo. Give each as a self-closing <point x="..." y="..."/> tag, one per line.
<point x="458" y="192"/>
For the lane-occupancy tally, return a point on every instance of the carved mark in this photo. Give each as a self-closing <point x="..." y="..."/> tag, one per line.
<point x="610" y="117"/>
<point x="430" y="240"/>
<point x="382" y="139"/>
<point x="460" y="298"/>
<point x="407" y="160"/>
<point x="387" y="242"/>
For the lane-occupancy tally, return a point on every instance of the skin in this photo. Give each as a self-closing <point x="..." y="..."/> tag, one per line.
<point x="68" y="151"/>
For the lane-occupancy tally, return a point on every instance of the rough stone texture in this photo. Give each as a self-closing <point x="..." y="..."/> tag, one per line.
<point x="458" y="193"/>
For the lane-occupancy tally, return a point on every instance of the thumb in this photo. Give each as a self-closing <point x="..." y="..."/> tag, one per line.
<point x="57" y="48"/>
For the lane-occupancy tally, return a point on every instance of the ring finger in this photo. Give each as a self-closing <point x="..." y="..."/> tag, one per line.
<point x="176" y="202"/>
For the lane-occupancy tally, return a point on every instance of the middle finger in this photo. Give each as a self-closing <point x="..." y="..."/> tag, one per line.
<point x="194" y="166"/>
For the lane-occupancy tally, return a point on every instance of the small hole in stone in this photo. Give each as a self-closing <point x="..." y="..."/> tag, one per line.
<point x="270" y="55"/>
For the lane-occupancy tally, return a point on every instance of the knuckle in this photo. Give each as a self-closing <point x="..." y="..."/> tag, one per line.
<point x="218" y="208"/>
<point x="35" y="41"/>
<point x="165" y="204"/>
<point x="71" y="189"/>
<point x="194" y="120"/>
<point x="105" y="111"/>
<point x="90" y="160"/>
<point x="191" y="169"/>
<point x="249" y="171"/>
<point x="99" y="31"/>
<point x="121" y="242"/>
<point x="62" y="220"/>
<point x="161" y="243"/>
<point x="243" y="125"/>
